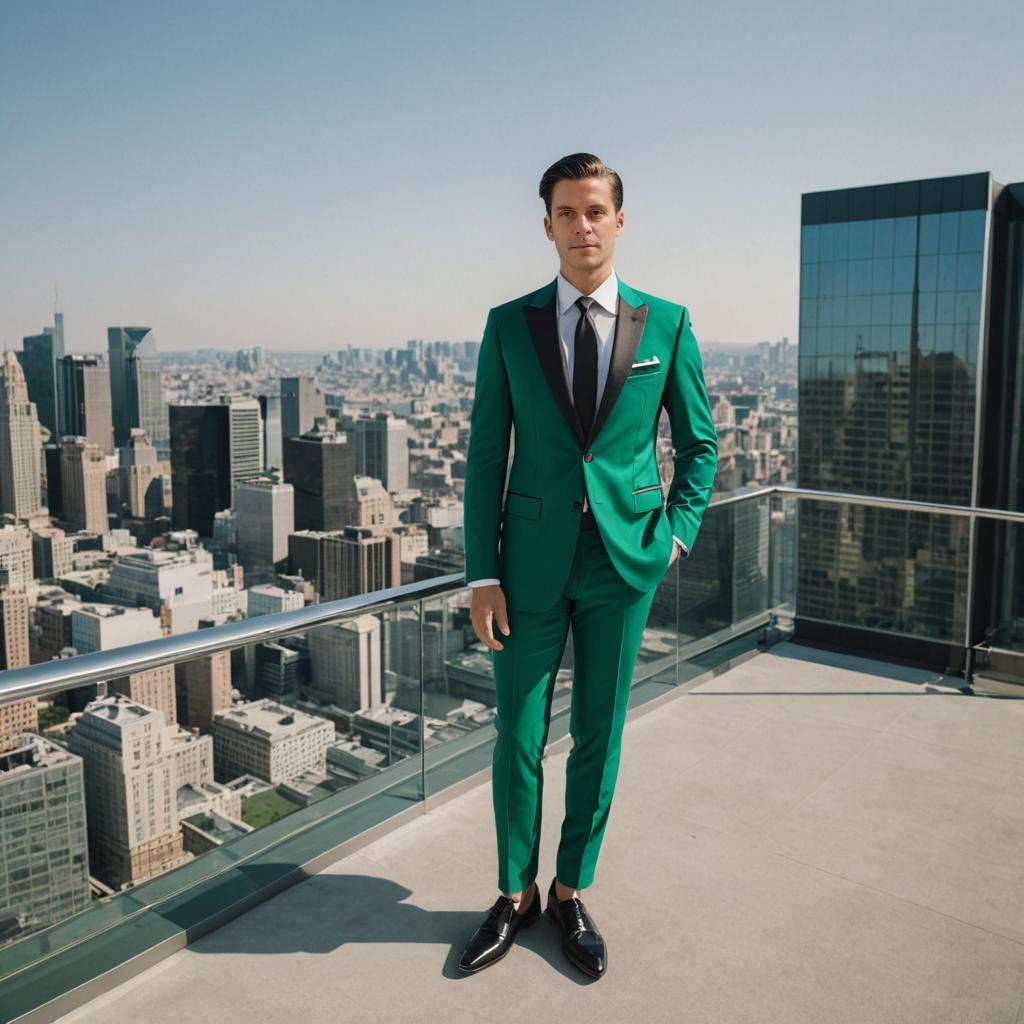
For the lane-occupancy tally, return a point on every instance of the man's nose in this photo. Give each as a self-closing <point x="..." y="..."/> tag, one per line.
<point x="583" y="226"/>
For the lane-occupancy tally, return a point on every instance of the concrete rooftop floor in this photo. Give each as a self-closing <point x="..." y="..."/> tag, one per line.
<point x="806" y="837"/>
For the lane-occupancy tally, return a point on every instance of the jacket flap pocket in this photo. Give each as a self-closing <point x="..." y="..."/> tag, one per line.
<point x="525" y="505"/>
<point x="646" y="498"/>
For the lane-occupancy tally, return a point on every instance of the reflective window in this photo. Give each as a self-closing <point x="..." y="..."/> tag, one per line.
<point x="905" y="236"/>
<point x="947" y="271"/>
<point x="859" y="277"/>
<point x="861" y="239"/>
<point x="928" y="234"/>
<point x="808" y="280"/>
<point x="881" y="309"/>
<point x="903" y="270"/>
<point x="972" y="230"/>
<point x="949" y="232"/>
<point x="945" y="307"/>
<point x="968" y="270"/>
<point x="902" y="308"/>
<point x="834" y="239"/>
<point x="881" y="275"/>
<point x="883" y="237"/>
<point x="809" y="243"/>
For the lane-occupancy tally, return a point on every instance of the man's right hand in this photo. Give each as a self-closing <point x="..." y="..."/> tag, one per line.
<point x="487" y="608"/>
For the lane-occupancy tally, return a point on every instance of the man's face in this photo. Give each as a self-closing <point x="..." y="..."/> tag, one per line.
<point x="583" y="223"/>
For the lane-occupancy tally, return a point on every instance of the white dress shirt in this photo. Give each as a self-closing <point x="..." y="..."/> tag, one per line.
<point x="604" y="313"/>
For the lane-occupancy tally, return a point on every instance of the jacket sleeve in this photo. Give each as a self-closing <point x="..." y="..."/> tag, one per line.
<point x="694" y="437"/>
<point x="490" y="426"/>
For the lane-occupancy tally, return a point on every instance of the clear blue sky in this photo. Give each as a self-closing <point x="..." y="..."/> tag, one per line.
<point x="309" y="175"/>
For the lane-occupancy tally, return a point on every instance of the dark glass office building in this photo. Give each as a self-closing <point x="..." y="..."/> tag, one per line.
<point x="39" y="356"/>
<point x="200" y="465"/>
<point x="320" y="466"/>
<point x="910" y="388"/>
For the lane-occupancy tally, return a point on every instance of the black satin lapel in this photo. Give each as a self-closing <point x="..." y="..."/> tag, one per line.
<point x="544" y="332"/>
<point x="629" y="328"/>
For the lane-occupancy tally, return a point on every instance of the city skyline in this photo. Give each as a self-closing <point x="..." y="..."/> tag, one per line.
<point x="230" y="199"/>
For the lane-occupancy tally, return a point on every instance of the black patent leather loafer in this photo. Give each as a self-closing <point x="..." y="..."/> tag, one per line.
<point x="495" y="937"/>
<point x="581" y="941"/>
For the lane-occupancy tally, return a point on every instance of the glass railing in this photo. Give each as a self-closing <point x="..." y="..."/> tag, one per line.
<point x="127" y="834"/>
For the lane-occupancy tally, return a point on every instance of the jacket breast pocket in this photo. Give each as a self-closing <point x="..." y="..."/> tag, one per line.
<point x="647" y="498"/>
<point x="651" y="371"/>
<point x="525" y="505"/>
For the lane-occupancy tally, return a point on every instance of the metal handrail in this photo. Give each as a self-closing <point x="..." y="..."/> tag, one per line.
<point x="65" y="673"/>
<point x="899" y="504"/>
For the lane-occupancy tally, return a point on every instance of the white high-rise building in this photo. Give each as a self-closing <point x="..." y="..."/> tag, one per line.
<point x="136" y="765"/>
<point x="264" y="516"/>
<point x="20" y="443"/>
<point x="176" y="584"/>
<point x="105" y="626"/>
<point x="346" y="663"/>
<point x="246" y="452"/>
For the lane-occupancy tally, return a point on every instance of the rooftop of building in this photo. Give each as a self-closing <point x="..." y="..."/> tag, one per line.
<point x="118" y="708"/>
<point x="267" y="718"/>
<point x="28" y="751"/>
<point x="808" y="836"/>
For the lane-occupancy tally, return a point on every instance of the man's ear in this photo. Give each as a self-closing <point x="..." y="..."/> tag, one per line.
<point x="547" y="228"/>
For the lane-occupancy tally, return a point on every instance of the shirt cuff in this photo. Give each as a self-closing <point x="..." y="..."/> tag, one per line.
<point x="482" y="583"/>
<point x="685" y="549"/>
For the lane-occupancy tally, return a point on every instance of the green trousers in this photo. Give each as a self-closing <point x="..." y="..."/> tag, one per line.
<point x="608" y="618"/>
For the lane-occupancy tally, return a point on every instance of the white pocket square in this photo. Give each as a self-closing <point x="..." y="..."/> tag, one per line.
<point x="646" y="362"/>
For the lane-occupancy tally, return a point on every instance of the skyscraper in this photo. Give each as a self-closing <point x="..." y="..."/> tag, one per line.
<point x="83" y="399"/>
<point x="999" y="598"/>
<point x="321" y="466"/>
<point x="135" y="764"/>
<point x="213" y="446"/>
<point x="39" y="356"/>
<point x="140" y="483"/>
<point x="270" y="410"/>
<point x="902" y="365"/>
<point x="43" y="852"/>
<point x="136" y="391"/>
<point x="19" y="442"/>
<point x="382" y="443"/>
<point x="301" y="402"/>
<point x="265" y="515"/>
<point x="83" y="481"/>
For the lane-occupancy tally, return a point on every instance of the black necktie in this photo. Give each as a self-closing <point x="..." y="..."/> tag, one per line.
<point x="584" y="371"/>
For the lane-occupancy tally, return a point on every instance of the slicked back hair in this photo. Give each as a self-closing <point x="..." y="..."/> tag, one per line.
<point x="576" y="166"/>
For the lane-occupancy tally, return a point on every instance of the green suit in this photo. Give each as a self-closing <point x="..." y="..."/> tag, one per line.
<point x="551" y="571"/>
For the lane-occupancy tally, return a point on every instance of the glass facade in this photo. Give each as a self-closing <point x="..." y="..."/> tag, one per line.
<point x="1000" y="601"/>
<point x="891" y="306"/>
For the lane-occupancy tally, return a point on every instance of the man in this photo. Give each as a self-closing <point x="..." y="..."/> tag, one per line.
<point x="581" y="368"/>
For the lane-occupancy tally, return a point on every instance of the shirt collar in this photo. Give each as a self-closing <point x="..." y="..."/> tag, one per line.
<point x="605" y="294"/>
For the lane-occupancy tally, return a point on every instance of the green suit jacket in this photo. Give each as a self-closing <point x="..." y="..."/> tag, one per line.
<point x="521" y="382"/>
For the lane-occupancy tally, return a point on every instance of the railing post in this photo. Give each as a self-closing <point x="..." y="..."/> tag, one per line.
<point x="423" y="701"/>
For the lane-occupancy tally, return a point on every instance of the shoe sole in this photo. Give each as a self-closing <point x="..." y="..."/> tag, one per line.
<point x="550" y="912"/>
<point x="501" y="956"/>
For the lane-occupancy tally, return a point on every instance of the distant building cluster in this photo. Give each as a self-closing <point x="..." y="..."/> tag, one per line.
<point x="144" y="495"/>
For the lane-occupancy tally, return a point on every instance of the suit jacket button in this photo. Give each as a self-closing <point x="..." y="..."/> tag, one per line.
<point x="577" y="504"/>
<point x="589" y="457"/>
